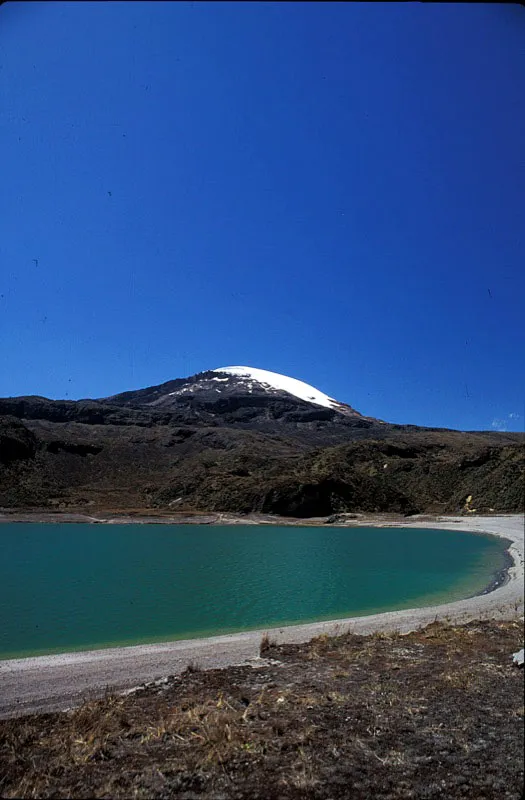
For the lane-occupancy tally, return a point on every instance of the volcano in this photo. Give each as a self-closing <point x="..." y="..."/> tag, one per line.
<point x="244" y="439"/>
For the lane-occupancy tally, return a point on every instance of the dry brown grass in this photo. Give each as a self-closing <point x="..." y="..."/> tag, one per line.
<point x="267" y="644"/>
<point x="436" y="713"/>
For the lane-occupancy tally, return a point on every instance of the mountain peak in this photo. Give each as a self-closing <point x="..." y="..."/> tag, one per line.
<point x="282" y="383"/>
<point x="221" y="390"/>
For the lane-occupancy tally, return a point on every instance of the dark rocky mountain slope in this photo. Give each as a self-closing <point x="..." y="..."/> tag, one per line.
<point x="221" y="442"/>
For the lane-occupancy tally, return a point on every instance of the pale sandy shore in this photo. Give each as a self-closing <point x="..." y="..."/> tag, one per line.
<point x="58" y="682"/>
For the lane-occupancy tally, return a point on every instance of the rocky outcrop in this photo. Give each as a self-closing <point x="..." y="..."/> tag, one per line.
<point x="16" y="441"/>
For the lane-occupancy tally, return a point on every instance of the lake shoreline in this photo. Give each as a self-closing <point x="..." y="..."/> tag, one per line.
<point x="42" y="516"/>
<point x="56" y="682"/>
<point x="499" y="578"/>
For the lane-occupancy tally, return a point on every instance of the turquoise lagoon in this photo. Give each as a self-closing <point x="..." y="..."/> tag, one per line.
<point x="66" y="587"/>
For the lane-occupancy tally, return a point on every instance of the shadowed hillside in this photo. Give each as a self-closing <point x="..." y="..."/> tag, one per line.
<point x="169" y="449"/>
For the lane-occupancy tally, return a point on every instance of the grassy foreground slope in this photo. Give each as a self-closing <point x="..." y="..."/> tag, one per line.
<point x="432" y="714"/>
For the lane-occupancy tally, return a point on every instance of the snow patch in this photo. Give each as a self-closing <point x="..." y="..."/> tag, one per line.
<point x="281" y="382"/>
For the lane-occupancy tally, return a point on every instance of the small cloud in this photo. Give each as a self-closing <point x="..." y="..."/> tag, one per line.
<point x="499" y="424"/>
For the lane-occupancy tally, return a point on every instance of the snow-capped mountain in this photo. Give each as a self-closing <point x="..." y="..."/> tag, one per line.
<point x="273" y="381"/>
<point x="243" y="439"/>
<point x="233" y="386"/>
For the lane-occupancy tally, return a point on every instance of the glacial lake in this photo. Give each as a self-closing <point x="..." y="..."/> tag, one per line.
<point x="66" y="587"/>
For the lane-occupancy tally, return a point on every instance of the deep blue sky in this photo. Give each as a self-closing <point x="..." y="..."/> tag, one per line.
<point x="331" y="191"/>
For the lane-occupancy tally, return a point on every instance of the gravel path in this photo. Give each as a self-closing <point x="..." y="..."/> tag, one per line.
<point x="53" y="683"/>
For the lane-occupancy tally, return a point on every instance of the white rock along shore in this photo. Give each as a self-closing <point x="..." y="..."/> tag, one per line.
<point x="59" y="682"/>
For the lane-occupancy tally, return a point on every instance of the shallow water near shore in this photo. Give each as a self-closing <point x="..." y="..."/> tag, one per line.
<point x="67" y="587"/>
